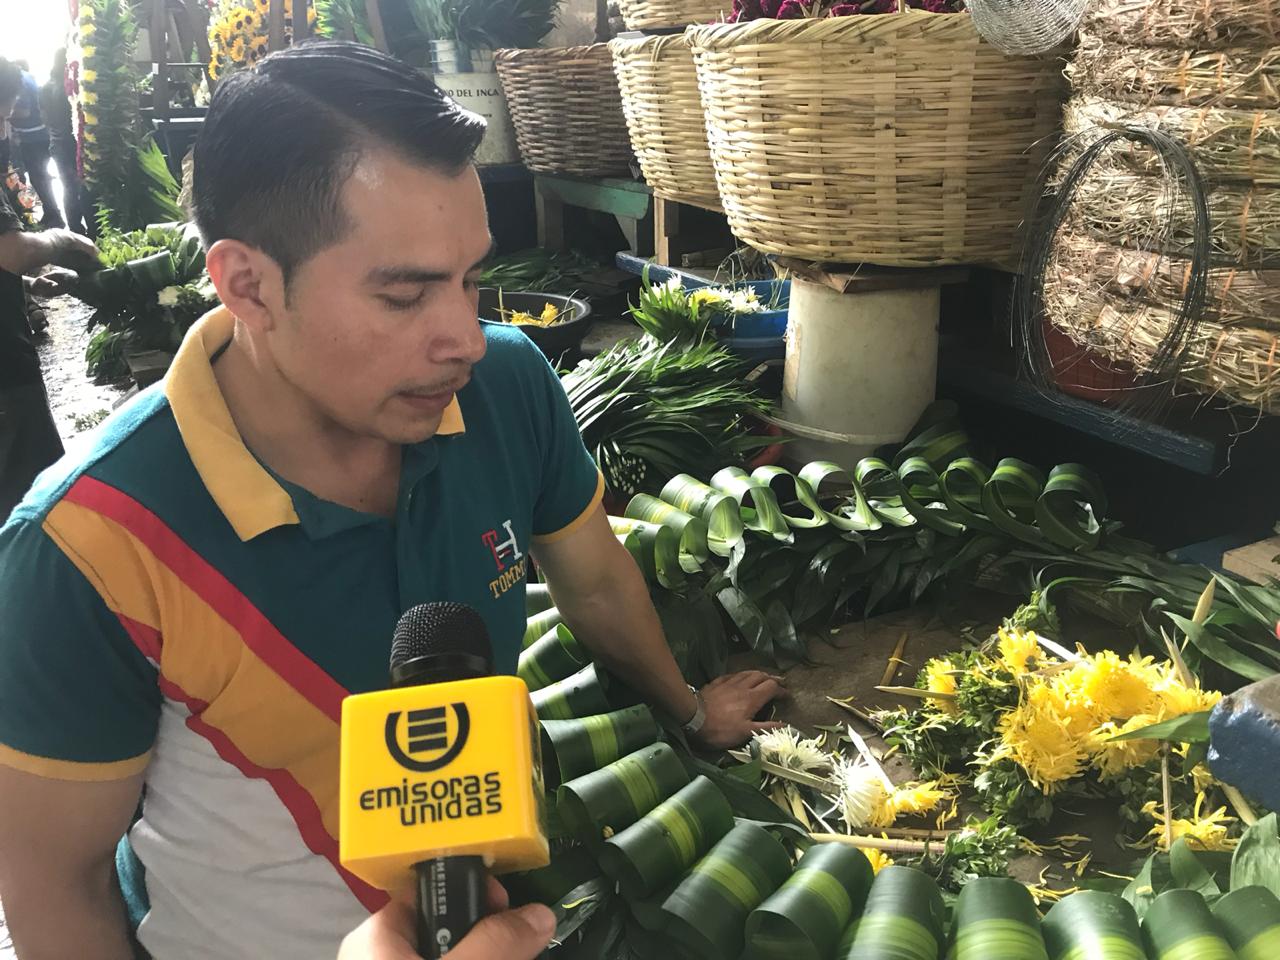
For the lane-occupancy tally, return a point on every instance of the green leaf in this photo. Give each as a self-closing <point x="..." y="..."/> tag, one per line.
<point x="1256" y="861"/>
<point x="1188" y="728"/>
<point x="1188" y="872"/>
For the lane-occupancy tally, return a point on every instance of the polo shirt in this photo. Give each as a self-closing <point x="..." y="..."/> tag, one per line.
<point x="169" y="606"/>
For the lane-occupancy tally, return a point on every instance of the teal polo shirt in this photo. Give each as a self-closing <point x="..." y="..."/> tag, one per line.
<point x="172" y="608"/>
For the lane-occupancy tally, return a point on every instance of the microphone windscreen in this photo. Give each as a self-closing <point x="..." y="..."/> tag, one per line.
<point x="440" y="628"/>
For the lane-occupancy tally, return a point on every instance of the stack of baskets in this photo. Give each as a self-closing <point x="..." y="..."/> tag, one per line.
<point x="1209" y="75"/>
<point x="566" y="110"/>
<point x="666" y="14"/>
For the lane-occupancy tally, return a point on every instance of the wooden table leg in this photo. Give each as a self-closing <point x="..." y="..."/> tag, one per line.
<point x="550" y="212"/>
<point x="666" y="228"/>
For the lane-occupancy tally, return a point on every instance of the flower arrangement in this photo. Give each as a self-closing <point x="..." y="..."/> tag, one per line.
<point x="238" y="34"/>
<point x="745" y="10"/>
<point x="1045" y="724"/>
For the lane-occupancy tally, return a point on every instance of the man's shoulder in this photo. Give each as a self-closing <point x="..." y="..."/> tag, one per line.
<point x="137" y="446"/>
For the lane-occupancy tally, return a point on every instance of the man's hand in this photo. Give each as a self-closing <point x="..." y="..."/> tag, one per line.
<point x="505" y="935"/>
<point x="55" y="283"/>
<point x="72" y="251"/>
<point x="731" y="703"/>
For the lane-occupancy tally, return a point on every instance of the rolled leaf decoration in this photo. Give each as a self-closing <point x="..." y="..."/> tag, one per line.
<point x="557" y="654"/>
<point x="537" y="599"/>
<point x="1091" y="925"/>
<point x="803" y="920"/>
<point x="839" y="497"/>
<point x="1249" y="918"/>
<point x="572" y="748"/>
<point x="756" y="502"/>
<point x="708" y="911"/>
<point x="606" y="801"/>
<point x="996" y="919"/>
<point x="691" y="530"/>
<point x="795" y="498"/>
<point x="1179" y="926"/>
<point x="664" y="843"/>
<point x="538" y="624"/>
<point x="1009" y="499"/>
<point x="656" y="548"/>
<point x="579" y="695"/>
<point x="903" y="919"/>
<point x="718" y="510"/>
<point x="567" y="871"/>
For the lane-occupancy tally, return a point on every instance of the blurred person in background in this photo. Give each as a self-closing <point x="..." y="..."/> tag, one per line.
<point x="55" y="106"/>
<point x="32" y="136"/>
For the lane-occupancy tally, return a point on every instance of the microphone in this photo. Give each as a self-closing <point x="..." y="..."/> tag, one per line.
<point x="441" y="775"/>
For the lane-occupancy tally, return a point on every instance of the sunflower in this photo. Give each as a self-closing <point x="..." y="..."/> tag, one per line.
<point x="262" y="7"/>
<point x="1206" y="831"/>
<point x="1019" y="650"/>
<point x="237" y="50"/>
<point x="879" y="860"/>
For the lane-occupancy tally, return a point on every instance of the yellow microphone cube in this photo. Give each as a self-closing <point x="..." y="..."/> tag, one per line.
<point x="444" y="769"/>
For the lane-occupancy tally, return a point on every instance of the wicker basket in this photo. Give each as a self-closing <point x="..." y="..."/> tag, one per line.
<point x="901" y="139"/>
<point x="566" y="110"/>
<point x="657" y="14"/>
<point x="664" y="114"/>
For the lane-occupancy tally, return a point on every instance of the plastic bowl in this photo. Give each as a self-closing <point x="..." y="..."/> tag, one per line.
<point x="554" y="340"/>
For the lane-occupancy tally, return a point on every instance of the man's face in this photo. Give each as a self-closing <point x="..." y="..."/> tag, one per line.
<point x="382" y="328"/>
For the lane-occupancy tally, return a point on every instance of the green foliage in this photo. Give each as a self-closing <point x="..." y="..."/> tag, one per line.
<point x="486" y="24"/>
<point x="667" y="313"/>
<point x="343" y="20"/>
<point x="538" y="270"/>
<point x="982" y="848"/>
<point x="1004" y="788"/>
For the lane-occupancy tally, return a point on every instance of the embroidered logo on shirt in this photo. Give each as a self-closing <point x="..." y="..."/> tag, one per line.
<point x="507" y="557"/>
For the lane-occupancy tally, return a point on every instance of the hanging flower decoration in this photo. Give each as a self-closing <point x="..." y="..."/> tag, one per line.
<point x="239" y="34"/>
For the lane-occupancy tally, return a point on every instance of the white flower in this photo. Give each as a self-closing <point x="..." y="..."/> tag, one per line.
<point x="745" y="301"/>
<point x="862" y="793"/>
<point x="672" y="285"/>
<point x="168" y="297"/>
<point x="785" y="748"/>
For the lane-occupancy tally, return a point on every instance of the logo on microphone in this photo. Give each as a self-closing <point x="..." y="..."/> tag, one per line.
<point x="428" y="746"/>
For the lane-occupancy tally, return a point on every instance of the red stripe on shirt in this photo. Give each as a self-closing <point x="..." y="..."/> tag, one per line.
<point x="258" y="633"/>
<point x="300" y="804"/>
<point x="145" y="637"/>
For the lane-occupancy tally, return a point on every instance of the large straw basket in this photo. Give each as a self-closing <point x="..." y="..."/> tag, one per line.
<point x="901" y="139"/>
<point x="566" y="109"/>
<point x="1186" y="24"/>
<point x="664" y="114"/>
<point x="657" y="14"/>
<point x="1231" y="77"/>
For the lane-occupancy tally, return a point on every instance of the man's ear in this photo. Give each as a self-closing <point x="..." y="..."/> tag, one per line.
<point x="249" y="283"/>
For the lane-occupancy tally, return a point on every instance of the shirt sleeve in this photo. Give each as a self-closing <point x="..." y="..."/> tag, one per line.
<point x="79" y="700"/>
<point x="572" y="485"/>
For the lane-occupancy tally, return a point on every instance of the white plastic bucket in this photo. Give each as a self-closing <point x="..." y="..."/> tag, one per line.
<point x="482" y="93"/>
<point x="860" y="369"/>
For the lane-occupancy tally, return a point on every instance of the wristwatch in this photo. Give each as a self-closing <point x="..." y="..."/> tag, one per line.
<point x="699" y="713"/>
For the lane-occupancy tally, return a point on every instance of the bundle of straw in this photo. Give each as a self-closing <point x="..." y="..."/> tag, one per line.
<point x="1235" y="296"/>
<point x="1126" y="209"/>
<point x="1234" y="77"/>
<point x="1186" y="24"/>
<point x="1228" y="144"/>
<point x="1238" y="362"/>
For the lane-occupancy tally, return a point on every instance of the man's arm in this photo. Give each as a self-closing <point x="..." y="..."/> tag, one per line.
<point x="605" y="601"/>
<point x="57" y="865"/>
<point x="22" y="252"/>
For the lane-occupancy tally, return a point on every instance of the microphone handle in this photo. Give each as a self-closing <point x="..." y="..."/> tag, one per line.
<point x="451" y="900"/>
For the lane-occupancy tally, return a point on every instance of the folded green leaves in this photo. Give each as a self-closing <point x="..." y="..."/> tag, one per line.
<point x="1250" y="919"/>
<point x="1179" y="926"/>
<point x="553" y="657"/>
<point x="606" y="801"/>
<point x="573" y="748"/>
<point x="996" y="919"/>
<point x="903" y="919"/>
<point x="1091" y="925"/>
<point x="803" y="920"/>
<point x="708" y="911"/>
<point x="580" y="695"/>
<point x="658" y="849"/>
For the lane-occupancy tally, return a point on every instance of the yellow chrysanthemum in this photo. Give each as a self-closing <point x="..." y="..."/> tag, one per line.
<point x="88" y="52"/>
<point x="1020" y="650"/>
<point x="1117" y="689"/>
<point x="1038" y="741"/>
<point x="879" y="860"/>
<point x="1175" y="698"/>
<point x="90" y="136"/>
<point x="89" y="98"/>
<point x="90" y="119"/>
<point x="1205" y="832"/>
<point x="1064" y="705"/>
<point x="914" y="799"/>
<point x="87" y="30"/>
<point x="89" y="76"/>
<point x="938" y="678"/>
<point x="1113" y="758"/>
<point x="87" y="13"/>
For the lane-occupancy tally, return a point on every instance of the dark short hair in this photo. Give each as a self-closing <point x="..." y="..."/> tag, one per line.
<point x="10" y="80"/>
<point x="281" y="140"/>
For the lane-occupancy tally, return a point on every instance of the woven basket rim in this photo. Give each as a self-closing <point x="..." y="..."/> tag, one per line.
<point x="548" y="53"/>
<point x="718" y="36"/>
<point x="657" y="45"/>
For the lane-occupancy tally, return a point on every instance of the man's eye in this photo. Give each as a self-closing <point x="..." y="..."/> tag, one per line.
<point x="399" y="303"/>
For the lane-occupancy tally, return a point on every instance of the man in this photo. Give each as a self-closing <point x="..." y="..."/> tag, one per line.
<point x="186" y="607"/>
<point x="29" y="440"/>
<point x="55" y="107"/>
<point x="33" y="144"/>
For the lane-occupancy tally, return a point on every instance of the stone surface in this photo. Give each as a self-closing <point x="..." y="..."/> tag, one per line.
<point x="1244" y="731"/>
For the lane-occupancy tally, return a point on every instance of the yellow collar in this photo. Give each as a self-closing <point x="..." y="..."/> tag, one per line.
<point x="246" y="493"/>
